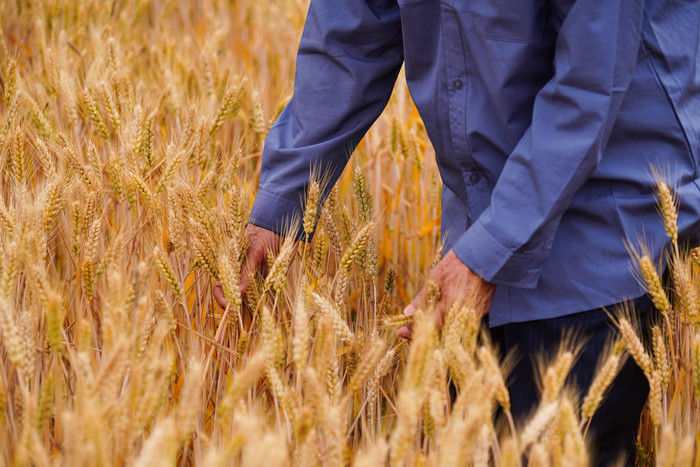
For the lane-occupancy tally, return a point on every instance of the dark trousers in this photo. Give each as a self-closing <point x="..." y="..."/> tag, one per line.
<point x="613" y="428"/>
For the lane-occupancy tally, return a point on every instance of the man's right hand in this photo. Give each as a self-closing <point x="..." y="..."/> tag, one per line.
<point x="260" y="241"/>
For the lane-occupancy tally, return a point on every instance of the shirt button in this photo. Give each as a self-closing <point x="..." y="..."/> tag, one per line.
<point x="474" y="179"/>
<point x="457" y="84"/>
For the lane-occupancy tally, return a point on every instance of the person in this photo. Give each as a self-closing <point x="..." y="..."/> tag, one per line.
<point x="546" y="117"/>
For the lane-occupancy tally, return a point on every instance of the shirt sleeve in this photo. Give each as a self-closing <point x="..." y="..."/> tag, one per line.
<point x="573" y="114"/>
<point x="348" y="60"/>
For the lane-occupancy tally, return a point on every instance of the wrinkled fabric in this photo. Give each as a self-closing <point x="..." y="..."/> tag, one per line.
<point x="547" y="118"/>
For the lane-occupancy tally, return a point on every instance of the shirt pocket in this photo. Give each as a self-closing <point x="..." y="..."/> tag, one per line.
<point x="509" y="20"/>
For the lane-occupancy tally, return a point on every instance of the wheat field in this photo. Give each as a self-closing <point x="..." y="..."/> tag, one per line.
<point x="130" y="150"/>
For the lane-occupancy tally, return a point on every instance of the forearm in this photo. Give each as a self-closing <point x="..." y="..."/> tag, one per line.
<point x="348" y="60"/>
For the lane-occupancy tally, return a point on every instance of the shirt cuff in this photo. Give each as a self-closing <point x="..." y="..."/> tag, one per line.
<point x="497" y="264"/>
<point x="277" y="213"/>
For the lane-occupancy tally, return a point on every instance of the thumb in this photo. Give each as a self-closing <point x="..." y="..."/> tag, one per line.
<point x="406" y="331"/>
<point x="219" y="295"/>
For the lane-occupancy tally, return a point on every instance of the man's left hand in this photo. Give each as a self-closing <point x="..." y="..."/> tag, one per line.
<point x="457" y="284"/>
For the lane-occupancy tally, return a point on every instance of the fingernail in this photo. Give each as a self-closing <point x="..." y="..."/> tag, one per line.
<point x="404" y="332"/>
<point x="409" y="310"/>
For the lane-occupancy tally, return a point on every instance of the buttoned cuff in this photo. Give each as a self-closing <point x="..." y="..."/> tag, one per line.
<point x="497" y="264"/>
<point x="277" y="213"/>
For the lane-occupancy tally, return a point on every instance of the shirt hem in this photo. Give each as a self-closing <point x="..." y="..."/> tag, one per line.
<point x="569" y="309"/>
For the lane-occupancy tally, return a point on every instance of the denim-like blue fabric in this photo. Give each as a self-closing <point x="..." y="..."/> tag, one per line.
<point x="546" y="118"/>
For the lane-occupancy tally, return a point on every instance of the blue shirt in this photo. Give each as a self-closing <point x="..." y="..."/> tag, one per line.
<point x="546" y="117"/>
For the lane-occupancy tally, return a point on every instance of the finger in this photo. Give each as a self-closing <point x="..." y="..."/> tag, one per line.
<point x="410" y="310"/>
<point x="251" y="263"/>
<point x="439" y="314"/>
<point x="244" y="280"/>
<point x="405" y="332"/>
<point x="219" y="295"/>
<point x="418" y="303"/>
